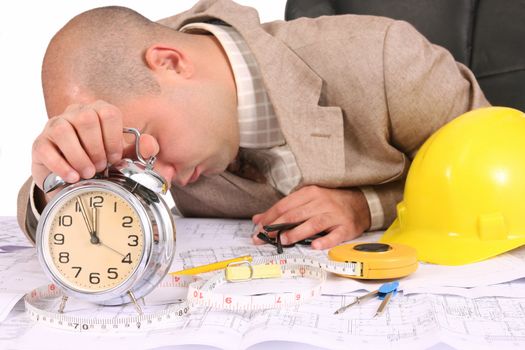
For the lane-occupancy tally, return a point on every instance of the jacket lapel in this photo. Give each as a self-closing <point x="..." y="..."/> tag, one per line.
<point x="314" y="133"/>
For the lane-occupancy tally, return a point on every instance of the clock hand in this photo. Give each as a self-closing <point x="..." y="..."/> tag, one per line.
<point x="116" y="251"/>
<point x="94" y="239"/>
<point x="94" y="234"/>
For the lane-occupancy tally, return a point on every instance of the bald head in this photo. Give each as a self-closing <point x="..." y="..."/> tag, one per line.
<point x="100" y="52"/>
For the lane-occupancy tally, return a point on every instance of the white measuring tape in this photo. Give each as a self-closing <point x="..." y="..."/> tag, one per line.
<point x="42" y="304"/>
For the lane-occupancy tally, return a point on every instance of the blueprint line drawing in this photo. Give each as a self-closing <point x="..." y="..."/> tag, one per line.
<point x="414" y="321"/>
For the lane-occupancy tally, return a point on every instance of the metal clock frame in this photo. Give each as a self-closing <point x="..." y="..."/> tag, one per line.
<point x="159" y="240"/>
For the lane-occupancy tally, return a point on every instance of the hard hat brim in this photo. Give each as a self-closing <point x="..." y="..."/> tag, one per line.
<point x="456" y="249"/>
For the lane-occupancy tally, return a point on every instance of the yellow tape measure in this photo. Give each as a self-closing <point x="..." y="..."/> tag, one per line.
<point x="378" y="260"/>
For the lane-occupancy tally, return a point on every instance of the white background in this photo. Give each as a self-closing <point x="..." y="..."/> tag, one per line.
<point x="25" y="30"/>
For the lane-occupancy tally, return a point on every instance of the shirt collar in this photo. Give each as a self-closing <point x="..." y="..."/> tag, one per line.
<point x="258" y="125"/>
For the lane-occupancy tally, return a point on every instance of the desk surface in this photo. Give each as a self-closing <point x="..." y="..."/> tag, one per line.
<point x="415" y="321"/>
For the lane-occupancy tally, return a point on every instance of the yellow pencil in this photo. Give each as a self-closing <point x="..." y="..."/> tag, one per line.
<point x="211" y="267"/>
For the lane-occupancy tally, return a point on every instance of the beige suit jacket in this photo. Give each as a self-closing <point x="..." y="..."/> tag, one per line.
<point x="355" y="96"/>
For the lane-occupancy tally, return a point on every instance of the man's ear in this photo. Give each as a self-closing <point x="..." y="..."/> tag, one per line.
<point x="161" y="58"/>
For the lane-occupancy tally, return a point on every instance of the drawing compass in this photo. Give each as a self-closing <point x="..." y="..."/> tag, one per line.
<point x="384" y="293"/>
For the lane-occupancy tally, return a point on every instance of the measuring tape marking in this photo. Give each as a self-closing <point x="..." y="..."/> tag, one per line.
<point x="39" y="296"/>
<point x="201" y="292"/>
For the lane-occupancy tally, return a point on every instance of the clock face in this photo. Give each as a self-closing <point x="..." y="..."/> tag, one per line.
<point x="95" y="240"/>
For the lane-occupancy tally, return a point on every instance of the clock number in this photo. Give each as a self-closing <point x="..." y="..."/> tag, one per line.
<point x="78" y="271"/>
<point x="59" y="239"/>
<point x="114" y="207"/>
<point x="63" y="257"/>
<point x="65" y="220"/>
<point x="94" y="278"/>
<point x="96" y="202"/>
<point x="126" y="221"/>
<point x="127" y="258"/>
<point x="112" y="273"/>
<point x="135" y="241"/>
<point x="77" y="207"/>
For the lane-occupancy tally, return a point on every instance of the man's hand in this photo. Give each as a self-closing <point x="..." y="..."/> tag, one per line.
<point x="343" y="213"/>
<point x="81" y="141"/>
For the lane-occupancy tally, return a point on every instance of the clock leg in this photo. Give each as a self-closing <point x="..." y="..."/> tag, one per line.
<point x="137" y="306"/>
<point x="62" y="304"/>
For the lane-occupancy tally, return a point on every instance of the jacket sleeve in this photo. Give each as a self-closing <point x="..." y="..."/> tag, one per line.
<point x="26" y="209"/>
<point x="425" y="88"/>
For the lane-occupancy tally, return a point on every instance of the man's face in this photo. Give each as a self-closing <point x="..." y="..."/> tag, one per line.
<point x="197" y="135"/>
<point x="196" y="127"/>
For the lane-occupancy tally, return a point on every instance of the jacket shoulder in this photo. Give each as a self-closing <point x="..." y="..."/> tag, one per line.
<point x="306" y="31"/>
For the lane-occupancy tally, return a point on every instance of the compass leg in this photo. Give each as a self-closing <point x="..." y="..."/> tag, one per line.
<point x="62" y="304"/>
<point x="137" y="306"/>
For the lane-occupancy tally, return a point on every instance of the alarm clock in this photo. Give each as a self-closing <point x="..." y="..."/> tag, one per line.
<point x="111" y="239"/>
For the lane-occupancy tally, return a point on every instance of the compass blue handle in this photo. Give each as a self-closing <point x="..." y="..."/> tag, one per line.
<point x="387" y="288"/>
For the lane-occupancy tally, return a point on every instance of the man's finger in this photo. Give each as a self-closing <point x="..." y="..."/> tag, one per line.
<point x="111" y="125"/>
<point x="302" y="213"/>
<point x="315" y="224"/>
<point x="88" y="130"/>
<point x="256" y="240"/>
<point x="74" y="153"/>
<point x="55" y="163"/>
<point x="293" y="200"/>
<point x="148" y="146"/>
<point x="337" y="236"/>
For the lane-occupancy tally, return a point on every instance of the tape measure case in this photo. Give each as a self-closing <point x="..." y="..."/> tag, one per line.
<point x="378" y="260"/>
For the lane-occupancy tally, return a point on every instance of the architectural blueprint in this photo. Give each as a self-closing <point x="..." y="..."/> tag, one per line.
<point x="411" y="321"/>
<point x="206" y="241"/>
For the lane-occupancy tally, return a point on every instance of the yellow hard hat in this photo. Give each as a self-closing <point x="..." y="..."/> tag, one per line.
<point x="464" y="198"/>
